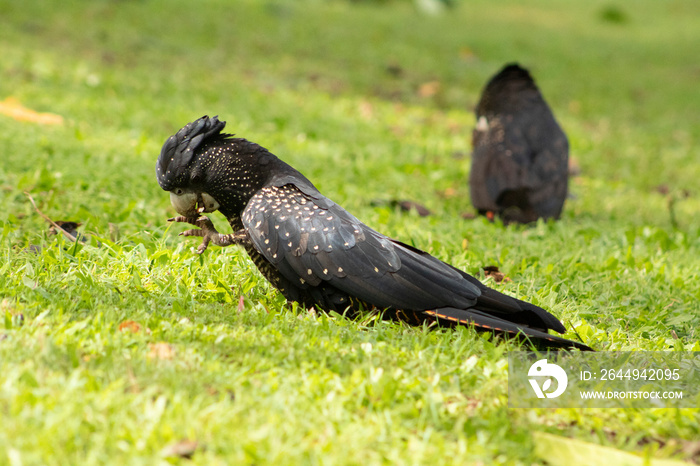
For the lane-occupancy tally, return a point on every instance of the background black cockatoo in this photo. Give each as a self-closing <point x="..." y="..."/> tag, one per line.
<point x="520" y="161"/>
<point x="315" y="252"/>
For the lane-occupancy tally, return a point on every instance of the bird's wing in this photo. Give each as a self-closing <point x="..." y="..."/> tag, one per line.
<point x="311" y="240"/>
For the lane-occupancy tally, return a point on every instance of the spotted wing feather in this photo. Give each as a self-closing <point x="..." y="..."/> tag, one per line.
<point x="310" y="244"/>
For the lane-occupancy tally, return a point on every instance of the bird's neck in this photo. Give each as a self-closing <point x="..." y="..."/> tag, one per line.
<point x="244" y="175"/>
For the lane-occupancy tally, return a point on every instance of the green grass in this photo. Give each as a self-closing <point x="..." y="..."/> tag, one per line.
<point x="272" y="383"/>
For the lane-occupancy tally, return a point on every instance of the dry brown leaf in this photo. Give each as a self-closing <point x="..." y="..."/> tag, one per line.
<point x="574" y="167"/>
<point x="406" y="206"/>
<point x="366" y="110"/>
<point x="129" y="326"/>
<point x="662" y="189"/>
<point x="559" y="450"/>
<point x="184" y="448"/>
<point x="160" y="350"/>
<point x="493" y="272"/>
<point x="7" y="305"/>
<point x="14" y="109"/>
<point x="68" y="226"/>
<point x="692" y="450"/>
<point x="447" y="193"/>
<point x="429" y="89"/>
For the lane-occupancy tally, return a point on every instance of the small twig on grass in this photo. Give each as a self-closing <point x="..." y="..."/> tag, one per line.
<point x="68" y="235"/>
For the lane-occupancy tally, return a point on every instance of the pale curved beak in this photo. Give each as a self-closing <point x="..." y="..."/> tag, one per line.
<point x="191" y="204"/>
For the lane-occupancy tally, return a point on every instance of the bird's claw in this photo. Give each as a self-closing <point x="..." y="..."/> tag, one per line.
<point x="207" y="230"/>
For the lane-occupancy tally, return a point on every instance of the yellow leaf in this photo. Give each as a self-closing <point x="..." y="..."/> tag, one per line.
<point x="160" y="350"/>
<point x="564" y="451"/>
<point x="14" y="109"/>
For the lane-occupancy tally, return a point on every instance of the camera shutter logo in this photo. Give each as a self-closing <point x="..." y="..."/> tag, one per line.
<point x="543" y="369"/>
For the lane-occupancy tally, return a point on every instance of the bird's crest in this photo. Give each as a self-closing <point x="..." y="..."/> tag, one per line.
<point x="178" y="150"/>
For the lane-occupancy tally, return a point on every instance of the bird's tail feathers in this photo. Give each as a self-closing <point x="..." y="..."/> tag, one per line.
<point x="483" y="321"/>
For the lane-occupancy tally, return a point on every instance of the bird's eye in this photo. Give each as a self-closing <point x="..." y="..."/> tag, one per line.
<point x="178" y="191"/>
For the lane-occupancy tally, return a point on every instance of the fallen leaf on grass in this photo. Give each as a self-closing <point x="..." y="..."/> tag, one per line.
<point x="662" y="189"/>
<point x="14" y="109"/>
<point x="215" y="392"/>
<point x="665" y="190"/>
<point x="160" y="350"/>
<point x="129" y="326"/>
<point x="7" y="305"/>
<point x="184" y="448"/>
<point x="448" y="193"/>
<point x="366" y="110"/>
<point x="493" y="272"/>
<point x="394" y="70"/>
<point x="574" y="167"/>
<point x="429" y="89"/>
<point x="69" y="227"/>
<point x="411" y="205"/>
<point x="404" y="205"/>
<point x="692" y="450"/>
<point x="55" y="225"/>
<point x="564" y="451"/>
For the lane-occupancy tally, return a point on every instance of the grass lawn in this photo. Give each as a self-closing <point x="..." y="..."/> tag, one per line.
<point x="130" y="349"/>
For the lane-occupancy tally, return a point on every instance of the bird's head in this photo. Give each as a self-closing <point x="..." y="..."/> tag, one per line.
<point x="206" y="170"/>
<point x="179" y="172"/>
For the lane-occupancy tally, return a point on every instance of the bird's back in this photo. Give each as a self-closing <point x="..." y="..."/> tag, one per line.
<point x="520" y="157"/>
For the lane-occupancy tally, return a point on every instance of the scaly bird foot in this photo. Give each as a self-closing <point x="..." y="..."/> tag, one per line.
<point x="208" y="233"/>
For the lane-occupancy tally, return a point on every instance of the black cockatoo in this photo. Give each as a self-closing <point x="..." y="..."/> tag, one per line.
<point x="315" y="252"/>
<point x="520" y="161"/>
